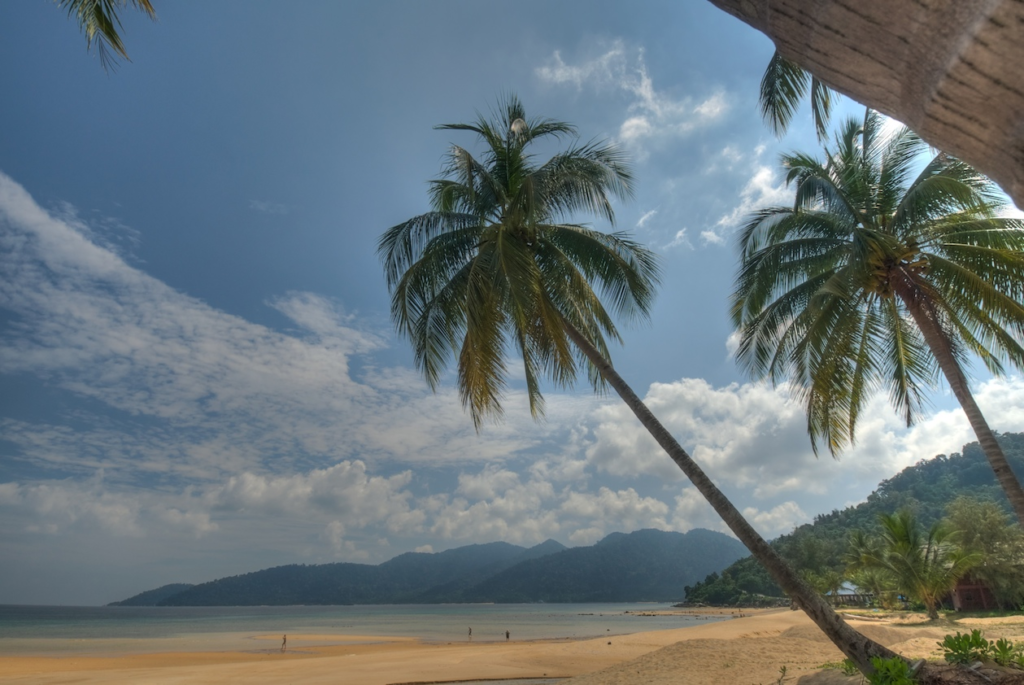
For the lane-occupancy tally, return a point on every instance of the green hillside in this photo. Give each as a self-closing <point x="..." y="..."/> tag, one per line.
<point x="926" y="488"/>
<point x="648" y="565"/>
<point x="151" y="598"/>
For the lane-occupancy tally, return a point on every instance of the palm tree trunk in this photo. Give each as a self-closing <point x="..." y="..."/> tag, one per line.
<point x="919" y="305"/>
<point x="857" y="647"/>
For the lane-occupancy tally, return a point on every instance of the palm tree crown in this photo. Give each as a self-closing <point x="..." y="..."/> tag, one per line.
<point x="878" y="279"/>
<point x="495" y="267"/>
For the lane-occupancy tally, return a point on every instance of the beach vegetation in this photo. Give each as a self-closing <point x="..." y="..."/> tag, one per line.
<point x="966" y="648"/>
<point x="891" y="671"/>
<point x="890" y="268"/>
<point x="1007" y="653"/>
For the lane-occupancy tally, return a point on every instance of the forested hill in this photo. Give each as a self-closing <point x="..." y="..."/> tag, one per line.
<point x="647" y="565"/>
<point x="151" y="598"/>
<point x="926" y="488"/>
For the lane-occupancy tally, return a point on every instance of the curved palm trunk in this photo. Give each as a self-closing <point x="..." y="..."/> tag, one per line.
<point x="854" y="645"/>
<point x="924" y="315"/>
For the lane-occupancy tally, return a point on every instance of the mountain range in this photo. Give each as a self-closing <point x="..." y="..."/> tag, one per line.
<point x="646" y="565"/>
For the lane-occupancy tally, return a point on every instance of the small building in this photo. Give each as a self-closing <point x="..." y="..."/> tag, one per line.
<point x="973" y="595"/>
<point x="849" y="595"/>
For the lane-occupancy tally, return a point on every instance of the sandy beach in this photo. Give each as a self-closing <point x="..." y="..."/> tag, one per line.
<point x="744" y="650"/>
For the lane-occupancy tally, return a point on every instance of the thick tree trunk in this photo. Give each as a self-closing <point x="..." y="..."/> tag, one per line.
<point x="917" y="303"/>
<point x="949" y="69"/>
<point x="854" y="645"/>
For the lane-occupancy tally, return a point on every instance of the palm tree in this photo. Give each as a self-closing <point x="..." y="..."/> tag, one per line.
<point x="99" y="21"/>
<point x="783" y="86"/>
<point x="878" y="279"/>
<point x="494" y="268"/>
<point x="832" y="583"/>
<point x="925" y="567"/>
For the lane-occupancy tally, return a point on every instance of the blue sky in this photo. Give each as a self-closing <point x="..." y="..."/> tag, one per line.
<point x="197" y="372"/>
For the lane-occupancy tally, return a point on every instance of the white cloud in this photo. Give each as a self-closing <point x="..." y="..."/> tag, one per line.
<point x="679" y="240"/>
<point x="647" y="216"/>
<point x="732" y="344"/>
<point x="219" y="395"/>
<point x="711" y="238"/>
<point x="763" y="189"/>
<point x="693" y="511"/>
<point x="780" y="519"/>
<point x="623" y="510"/>
<point x="652" y="114"/>
<point x="585" y="536"/>
<point x="751" y="440"/>
<point x="327" y="319"/>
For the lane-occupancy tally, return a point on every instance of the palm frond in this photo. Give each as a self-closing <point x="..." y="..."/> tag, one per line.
<point x="783" y="85"/>
<point x="101" y="24"/>
<point x="821" y="107"/>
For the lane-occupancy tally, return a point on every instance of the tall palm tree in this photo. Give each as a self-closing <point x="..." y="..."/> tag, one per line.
<point x="924" y="566"/>
<point x="99" y="21"/>
<point x="783" y="86"/>
<point x="494" y="268"/>
<point x="875" y="279"/>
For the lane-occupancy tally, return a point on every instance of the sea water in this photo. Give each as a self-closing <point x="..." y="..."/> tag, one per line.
<point x="54" y="630"/>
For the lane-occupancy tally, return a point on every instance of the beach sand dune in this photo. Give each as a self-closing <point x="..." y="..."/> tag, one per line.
<point x="744" y="651"/>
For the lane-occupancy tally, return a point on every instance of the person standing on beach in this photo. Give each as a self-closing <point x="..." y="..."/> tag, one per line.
<point x="471" y="633"/>
<point x="506" y="636"/>
<point x="284" y="643"/>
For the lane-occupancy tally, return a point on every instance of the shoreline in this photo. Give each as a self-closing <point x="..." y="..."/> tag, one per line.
<point x="740" y="651"/>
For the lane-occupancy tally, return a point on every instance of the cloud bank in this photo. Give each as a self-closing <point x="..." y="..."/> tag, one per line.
<point x="189" y="442"/>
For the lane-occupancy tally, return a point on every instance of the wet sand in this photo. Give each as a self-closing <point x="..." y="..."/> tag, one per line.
<point x="744" y="650"/>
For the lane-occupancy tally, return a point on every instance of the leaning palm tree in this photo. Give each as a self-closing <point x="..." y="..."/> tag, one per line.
<point x="99" y="21"/>
<point x="495" y="267"/>
<point x="876" y="278"/>
<point x="783" y="86"/>
<point x="924" y="566"/>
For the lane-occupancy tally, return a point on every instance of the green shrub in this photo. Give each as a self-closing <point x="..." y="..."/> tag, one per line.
<point x="894" y="671"/>
<point x="1004" y="651"/>
<point x="966" y="649"/>
<point x="846" y="666"/>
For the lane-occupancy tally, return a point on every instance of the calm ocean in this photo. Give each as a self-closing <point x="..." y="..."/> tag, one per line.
<point x="69" y="630"/>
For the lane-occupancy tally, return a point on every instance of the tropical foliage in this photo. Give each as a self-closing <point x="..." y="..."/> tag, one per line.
<point x="987" y="530"/>
<point x="886" y="269"/>
<point x="101" y="24"/>
<point x="954" y="487"/>
<point x="923" y="565"/>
